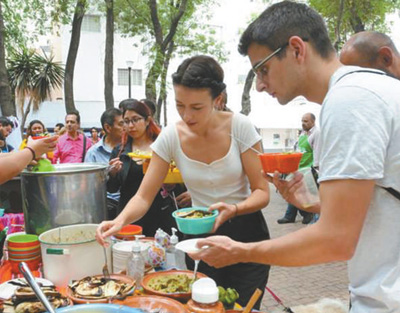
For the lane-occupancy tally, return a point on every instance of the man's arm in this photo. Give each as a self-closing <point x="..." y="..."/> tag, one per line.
<point x="344" y="205"/>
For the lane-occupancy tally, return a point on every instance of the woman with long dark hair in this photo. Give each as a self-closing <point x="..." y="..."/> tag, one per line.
<point x="219" y="171"/>
<point x="126" y="174"/>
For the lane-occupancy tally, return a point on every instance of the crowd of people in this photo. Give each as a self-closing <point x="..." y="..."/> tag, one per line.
<point x="356" y="151"/>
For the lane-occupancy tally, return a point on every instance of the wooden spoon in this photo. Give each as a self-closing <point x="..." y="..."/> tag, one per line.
<point x="257" y="293"/>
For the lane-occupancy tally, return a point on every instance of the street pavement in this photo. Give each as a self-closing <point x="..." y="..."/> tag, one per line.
<point x="300" y="285"/>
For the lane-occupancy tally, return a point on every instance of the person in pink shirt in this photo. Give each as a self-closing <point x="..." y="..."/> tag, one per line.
<point x="69" y="148"/>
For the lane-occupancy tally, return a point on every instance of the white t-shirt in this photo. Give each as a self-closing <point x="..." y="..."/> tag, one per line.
<point x="223" y="179"/>
<point x="360" y="139"/>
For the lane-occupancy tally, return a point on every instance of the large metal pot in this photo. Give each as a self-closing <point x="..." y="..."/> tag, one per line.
<point x="72" y="194"/>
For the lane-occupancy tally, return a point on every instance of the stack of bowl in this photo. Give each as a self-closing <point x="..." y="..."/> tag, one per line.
<point x="24" y="248"/>
<point x="122" y="250"/>
<point x="128" y="232"/>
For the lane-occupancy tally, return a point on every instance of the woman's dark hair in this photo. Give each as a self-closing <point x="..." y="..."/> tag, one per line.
<point x="199" y="72"/>
<point x="29" y="129"/>
<point x="143" y="110"/>
<point x="274" y="27"/>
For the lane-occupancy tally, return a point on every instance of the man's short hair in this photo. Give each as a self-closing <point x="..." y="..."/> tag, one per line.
<point x="108" y="117"/>
<point x="4" y="121"/>
<point x="59" y="125"/>
<point x="151" y="105"/>
<point x="76" y="113"/>
<point x="274" y="27"/>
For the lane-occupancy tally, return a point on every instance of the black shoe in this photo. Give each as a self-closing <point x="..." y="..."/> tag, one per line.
<point x="308" y="218"/>
<point x="285" y="220"/>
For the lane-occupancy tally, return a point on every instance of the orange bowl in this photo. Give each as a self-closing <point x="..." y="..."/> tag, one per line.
<point x="128" y="232"/>
<point x="181" y="296"/>
<point x="284" y="163"/>
<point x="153" y="303"/>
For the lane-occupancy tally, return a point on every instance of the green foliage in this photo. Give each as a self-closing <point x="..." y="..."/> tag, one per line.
<point x="133" y="19"/>
<point x="357" y="15"/>
<point x="33" y="75"/>
<point x="25" y="20"/>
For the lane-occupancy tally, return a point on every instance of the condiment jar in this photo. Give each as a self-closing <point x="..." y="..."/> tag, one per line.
<point x="205" y="297"/>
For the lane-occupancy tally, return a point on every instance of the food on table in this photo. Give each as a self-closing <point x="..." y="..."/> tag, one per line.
<point x="194" y="214"/>
<point x="175" y="283"/>
<point x="227" y="296"/>
<point x="77" y="237"/>
<point x="24" y="300"/>
<point x="96" y="288"/>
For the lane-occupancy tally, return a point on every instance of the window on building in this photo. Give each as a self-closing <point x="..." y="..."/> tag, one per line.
<point x="123" y="78"/>
<point x="91" y="23"/>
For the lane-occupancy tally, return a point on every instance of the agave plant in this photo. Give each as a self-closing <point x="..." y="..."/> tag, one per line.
<point x="33" y="77"/>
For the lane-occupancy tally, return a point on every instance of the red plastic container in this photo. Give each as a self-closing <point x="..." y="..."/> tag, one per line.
<point x="284" y="163"/>
<point x="128" y="232"/>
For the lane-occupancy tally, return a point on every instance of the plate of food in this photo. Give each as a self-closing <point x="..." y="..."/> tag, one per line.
<point x="97" y="289"/>
<point x="25" y="300"/>
<point x="139" y="154"/>
<point x="174" y="284"/>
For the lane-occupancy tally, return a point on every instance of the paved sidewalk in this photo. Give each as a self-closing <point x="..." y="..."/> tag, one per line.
<point x="300" y="285"/>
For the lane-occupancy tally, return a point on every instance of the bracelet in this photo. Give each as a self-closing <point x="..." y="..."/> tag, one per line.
<point x="236" y="211"/>
<point x="33" y="152"/>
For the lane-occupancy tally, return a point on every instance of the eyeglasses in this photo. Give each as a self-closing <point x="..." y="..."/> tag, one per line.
<point x="258" y="69"/>
<point x="133" y="121"/>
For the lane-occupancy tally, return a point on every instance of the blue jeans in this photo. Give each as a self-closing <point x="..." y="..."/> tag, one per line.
<point x="291" y="212"/>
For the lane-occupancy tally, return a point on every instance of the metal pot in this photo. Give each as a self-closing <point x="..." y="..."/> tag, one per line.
<point x="72" y="194"/>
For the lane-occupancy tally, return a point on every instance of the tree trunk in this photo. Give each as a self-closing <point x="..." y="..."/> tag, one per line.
<point x="338" y="39"/>
<point x="162" y="99"/>
<point x="72" y="54"/>
<point x="355" y="21"/>
<point x="25" y="116"/>
<point x="109" y="57"/>
<point x="152" y="76"/>
<point x="6" y="103"/>
<point x="246" y="103"/>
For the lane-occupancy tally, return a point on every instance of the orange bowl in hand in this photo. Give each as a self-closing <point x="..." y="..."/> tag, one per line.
<point x="284" y="163"/>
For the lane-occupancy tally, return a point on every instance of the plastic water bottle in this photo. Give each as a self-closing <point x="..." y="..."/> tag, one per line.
<point x="135" y="265"/>
<point x="175" y="259"/>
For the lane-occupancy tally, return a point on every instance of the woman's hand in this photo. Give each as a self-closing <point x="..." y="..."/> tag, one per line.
<point x="226" y="212"/>
<point x="105" y="230"/>
<point x="184" y="200"/>
<point x="42" y="146"/>
<point x="115" y="166"/>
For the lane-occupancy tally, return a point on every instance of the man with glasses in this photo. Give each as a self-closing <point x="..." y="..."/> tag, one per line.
<point x="358" y="159"/>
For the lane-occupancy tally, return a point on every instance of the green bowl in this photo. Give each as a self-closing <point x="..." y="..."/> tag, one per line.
<point x="195" y="226"/>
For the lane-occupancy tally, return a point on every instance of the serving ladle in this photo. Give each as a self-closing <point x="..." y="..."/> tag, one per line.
<point x="24" y="269"/>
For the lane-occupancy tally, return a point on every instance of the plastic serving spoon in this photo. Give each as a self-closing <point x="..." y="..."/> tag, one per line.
<point x="24" y="269"/>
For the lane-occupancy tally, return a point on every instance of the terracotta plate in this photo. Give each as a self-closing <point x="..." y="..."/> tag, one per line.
<point x="153" y="303"/>
<point x="182" y="296"/>
<point x="82" y="300"/>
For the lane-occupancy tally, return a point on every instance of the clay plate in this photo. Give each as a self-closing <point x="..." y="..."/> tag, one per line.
<point x="182" y="296"/>
<point x="153" y="303"/>
<point x="80" y="300"/>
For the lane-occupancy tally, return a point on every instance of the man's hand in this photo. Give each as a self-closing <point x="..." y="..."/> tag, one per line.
<point x="219" y="251"/>
<point x="115" y="166"/>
